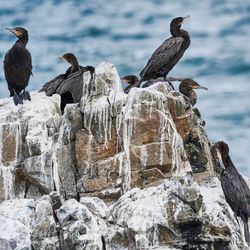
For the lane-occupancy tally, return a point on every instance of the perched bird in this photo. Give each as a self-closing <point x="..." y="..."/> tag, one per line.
<point x="187" y="87"/>
<point x="18" y="66"/>
<point x="69" y="85"/>
<point x="167" y="55"/>
<point x="234" y="186"/>
<point x="130" y="79"/>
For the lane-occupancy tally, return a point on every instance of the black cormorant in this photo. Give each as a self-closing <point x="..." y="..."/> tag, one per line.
<point x="234" y="186"/>
<point x="69" y="85"/>
<point x="167" y="55"/>
<point x="18" y="66"/>
<point x="187" y="87"/>
<point x="130" y="79"/>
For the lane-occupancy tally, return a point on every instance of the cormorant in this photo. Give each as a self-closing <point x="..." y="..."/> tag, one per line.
<point x="187" y="87"/>
<point x="234" y="186"/>
<point x="69" y="85"/>
<point x="167" y="55"/>
<point x="130" y="79"/>
<point x="18" y="66"/>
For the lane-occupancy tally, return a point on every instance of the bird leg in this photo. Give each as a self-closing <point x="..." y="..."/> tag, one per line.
<point x="169" y="82"/>
<point x="17" y="98"/>
<point x="179" y="79"/>
<point x="171" y="85"/>
<point x="26" y="95"/>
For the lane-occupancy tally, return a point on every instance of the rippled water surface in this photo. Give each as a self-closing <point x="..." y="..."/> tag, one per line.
<point x="127" y="32"/>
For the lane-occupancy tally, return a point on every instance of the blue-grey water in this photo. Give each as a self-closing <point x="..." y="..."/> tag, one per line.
<point x="127" y="32"/>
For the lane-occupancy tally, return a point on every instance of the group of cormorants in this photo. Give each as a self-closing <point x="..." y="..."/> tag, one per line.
<point x="18" y="69"/>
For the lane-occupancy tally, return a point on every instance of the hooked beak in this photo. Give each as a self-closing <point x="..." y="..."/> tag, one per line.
<point x="12" y="30"/>
<point x="185" y="18"/>
<point x="201" y="87"/>
<point x="61" y="58"/>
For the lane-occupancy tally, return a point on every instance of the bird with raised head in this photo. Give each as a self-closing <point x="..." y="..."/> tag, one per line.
<point x="234" y="186"/>
<point x="167" y="55"/>
<point x="18" y="66"/>
<point x="72" y="60"/>
<point x="69" y="85"/>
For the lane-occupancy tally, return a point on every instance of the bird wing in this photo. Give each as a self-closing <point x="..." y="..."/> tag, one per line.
<point x="163" y="55"/>
<point x="68" y="82"/>
<point x="29" y="63"/>
<point x="17" y="67"/>
<point x="73" y="84"/>
<point x="50" y="87"/>
<point x="237" y="192"/>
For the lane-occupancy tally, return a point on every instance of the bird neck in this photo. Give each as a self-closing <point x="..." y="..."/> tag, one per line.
<point x="22" y="41"/>
<point x="228" y="163"/>
<point x="189" y="93"/>
<point x="185" y="90"/>
<point x="179" y="32"/>
<point x="75" y="65"/>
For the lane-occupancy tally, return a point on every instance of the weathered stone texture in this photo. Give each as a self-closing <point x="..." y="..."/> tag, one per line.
<point x="115" y="171"/>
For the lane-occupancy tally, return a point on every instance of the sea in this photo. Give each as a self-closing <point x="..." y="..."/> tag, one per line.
<point x="126" y="33"/>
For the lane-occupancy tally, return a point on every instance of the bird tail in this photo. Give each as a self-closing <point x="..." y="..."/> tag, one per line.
<point x="126" y="90"/>
<point x="246" y="231"/>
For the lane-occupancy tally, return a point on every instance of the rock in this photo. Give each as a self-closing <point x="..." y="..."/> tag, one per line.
<point x="29" y="128"/>
<point x="96" y="206"/>
<point x="115" y="171"/>
<point x="44" y="228"/>
<point x="15" y="223"/>
<point x="80" y="228"/>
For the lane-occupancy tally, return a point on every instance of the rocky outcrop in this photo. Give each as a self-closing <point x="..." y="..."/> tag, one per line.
<point x="116" y="171"/>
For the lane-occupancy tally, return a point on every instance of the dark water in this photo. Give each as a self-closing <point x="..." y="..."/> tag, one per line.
<point x="127" y="32"/>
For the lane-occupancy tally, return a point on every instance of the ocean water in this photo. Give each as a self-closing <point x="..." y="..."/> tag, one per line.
<point x="127" y="32"/>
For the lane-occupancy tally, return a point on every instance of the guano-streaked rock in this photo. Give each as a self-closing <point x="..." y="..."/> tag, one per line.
<point x="115" y="171"/>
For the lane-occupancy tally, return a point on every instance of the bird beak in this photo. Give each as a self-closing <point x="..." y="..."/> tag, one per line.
<point x="13" y="31"/>
<point x="61" y="58"/>
<point x="185" y="18"/>
<point x="201" y="87"/>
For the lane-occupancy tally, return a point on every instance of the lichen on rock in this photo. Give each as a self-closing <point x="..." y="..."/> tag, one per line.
<point x="115" y="171"/>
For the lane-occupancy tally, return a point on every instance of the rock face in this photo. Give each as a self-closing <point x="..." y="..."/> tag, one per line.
<point x="116" y="171"/>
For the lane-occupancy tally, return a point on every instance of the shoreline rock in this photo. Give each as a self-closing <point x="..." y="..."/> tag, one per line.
<point x="116" y="171"/>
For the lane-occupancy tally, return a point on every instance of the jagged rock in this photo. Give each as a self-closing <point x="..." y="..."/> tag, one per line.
<point x="15" y="224"/>
<point x="44" y="228"/>
<point x="80" y="227"/>
<point x="96" y="206"/>
<point x="27" y="145"/>
<point x="114" y="171"/>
